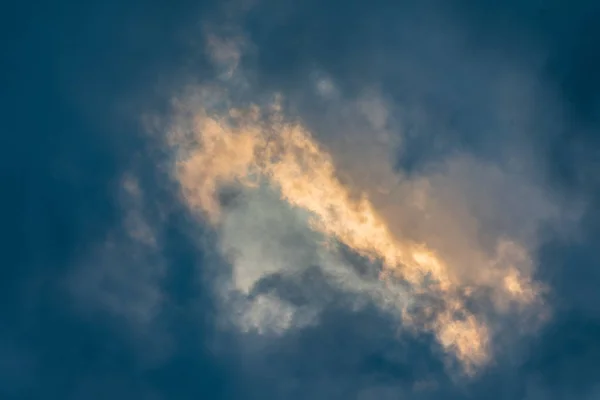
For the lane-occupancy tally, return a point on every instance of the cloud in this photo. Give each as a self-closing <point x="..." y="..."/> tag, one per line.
<point x="375" y="205"/>
<point x="122" y="277"/>
<point x="447" y="249"/>
<point x="440" y="133"/>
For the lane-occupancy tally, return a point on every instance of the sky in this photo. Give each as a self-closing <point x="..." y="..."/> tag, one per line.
<point x="259" y="199"/>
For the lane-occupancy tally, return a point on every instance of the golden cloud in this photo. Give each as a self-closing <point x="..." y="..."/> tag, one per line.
<point x="254" y="146"/>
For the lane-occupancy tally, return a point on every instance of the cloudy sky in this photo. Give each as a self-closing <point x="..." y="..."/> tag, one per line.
<point x="260" y="199"/>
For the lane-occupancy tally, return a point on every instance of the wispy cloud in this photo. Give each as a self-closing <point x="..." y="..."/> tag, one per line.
<point x="122" y="277"/>
<point x="448" y="250"/>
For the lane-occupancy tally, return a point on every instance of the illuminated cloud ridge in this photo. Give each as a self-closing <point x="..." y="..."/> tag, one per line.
<point x="285" y="182"/>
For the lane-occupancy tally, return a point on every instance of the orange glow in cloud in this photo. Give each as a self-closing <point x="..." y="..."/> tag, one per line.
<point x="245" y="147"/>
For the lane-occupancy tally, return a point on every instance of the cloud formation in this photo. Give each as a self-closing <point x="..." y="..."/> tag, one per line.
<point x="123" y="276"/>
<point x="448" y="250"/>
<point x="462" y="124"/>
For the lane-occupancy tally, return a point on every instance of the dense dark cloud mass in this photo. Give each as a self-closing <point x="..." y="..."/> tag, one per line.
<point x="182" y="211"/>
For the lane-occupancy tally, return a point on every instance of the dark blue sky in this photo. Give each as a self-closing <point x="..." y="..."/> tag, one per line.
<point x="76" y="76"/>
